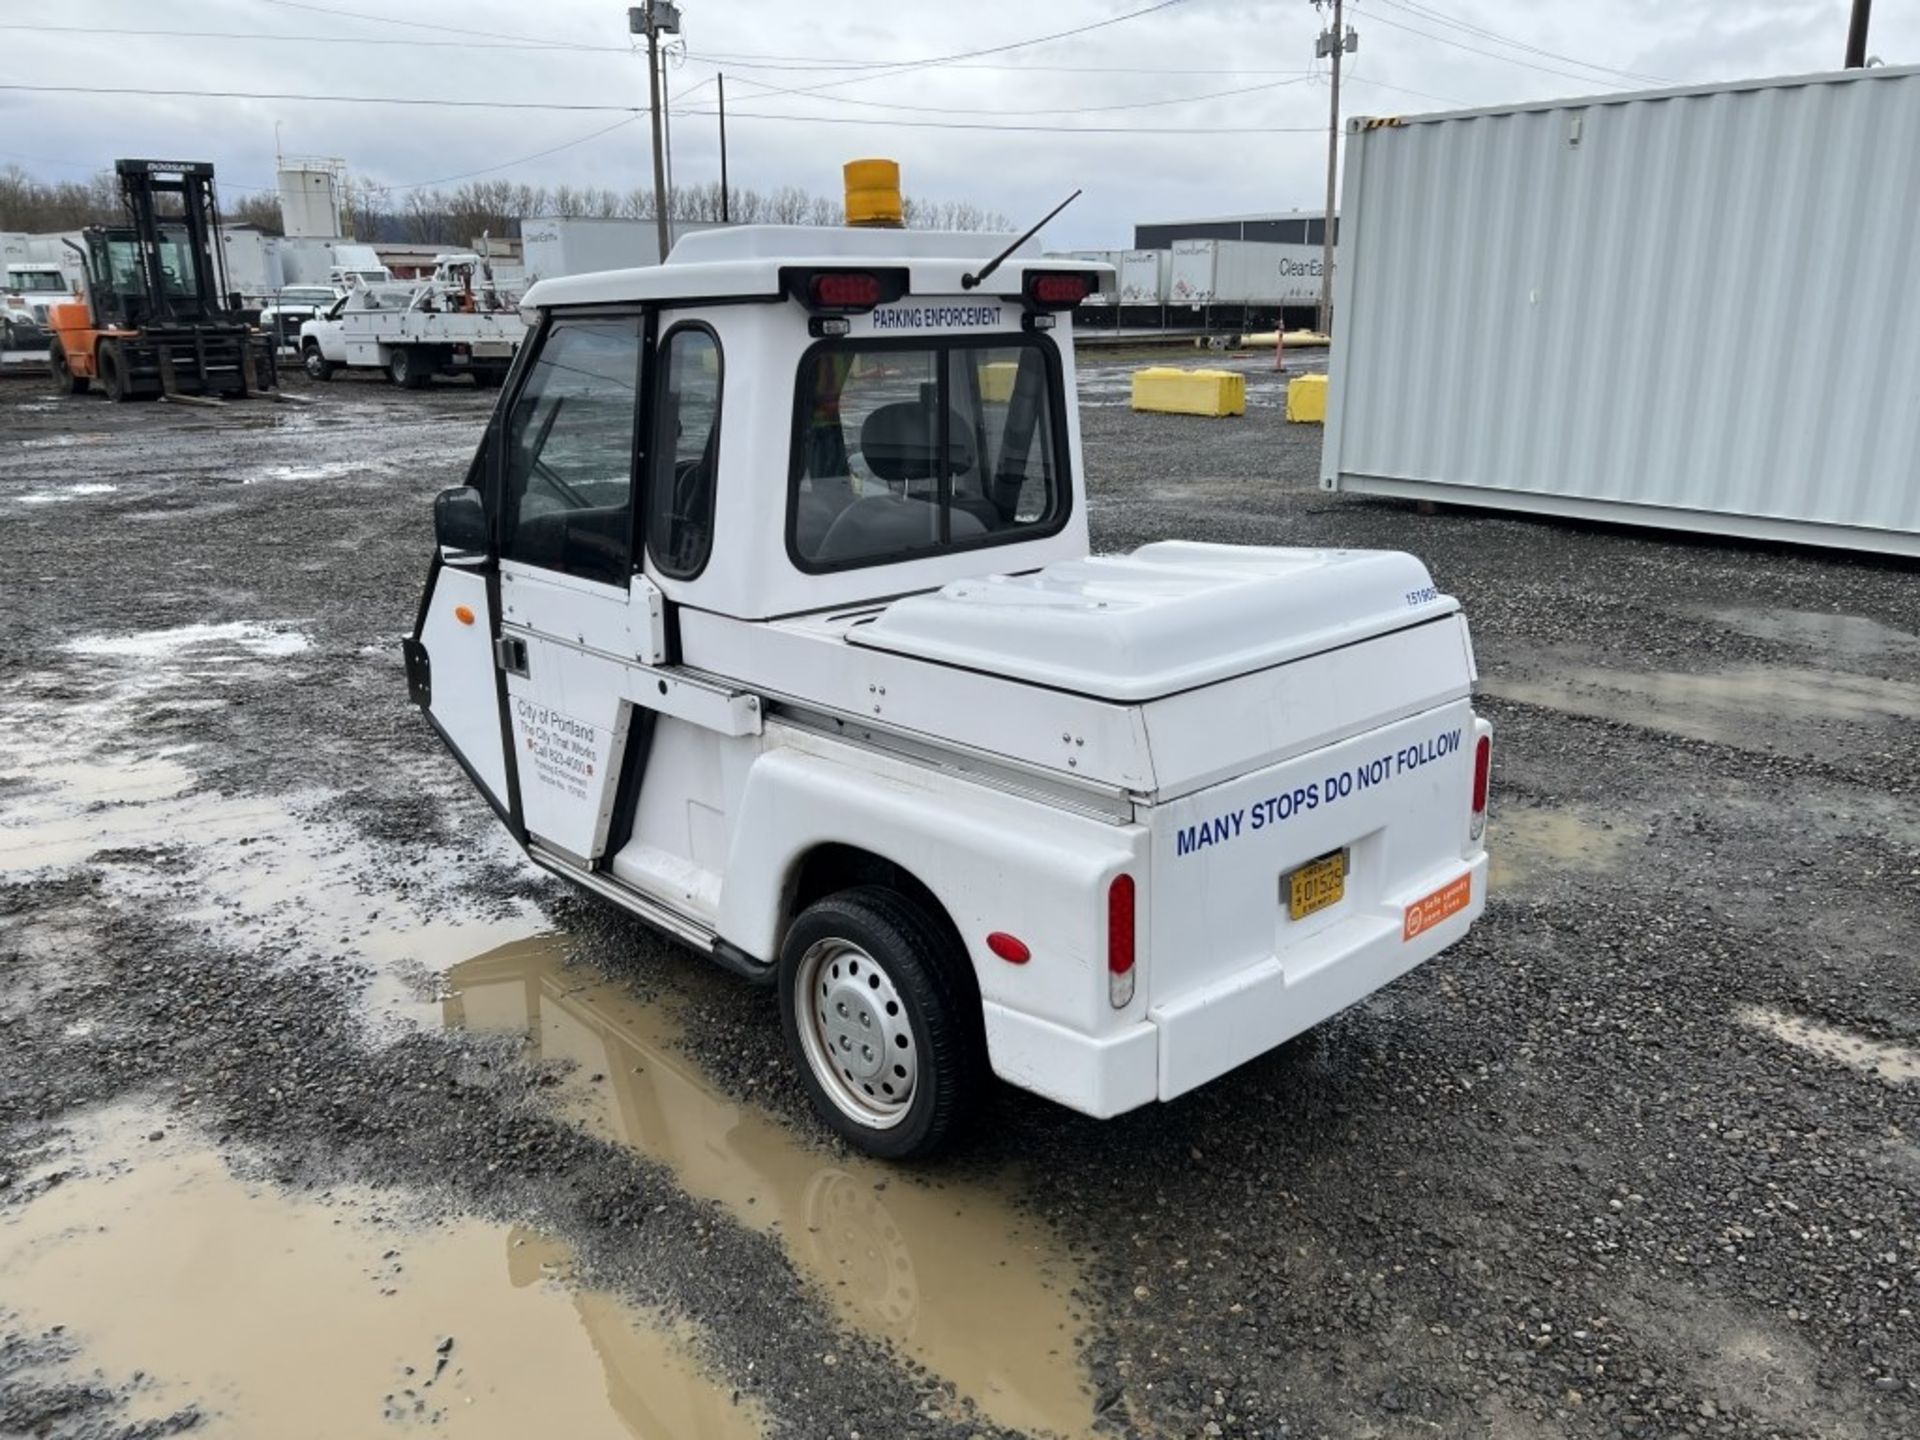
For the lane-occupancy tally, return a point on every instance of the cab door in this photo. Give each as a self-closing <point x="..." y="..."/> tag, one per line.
<point x="450" y="658"/>
<point x="575" y="613"/>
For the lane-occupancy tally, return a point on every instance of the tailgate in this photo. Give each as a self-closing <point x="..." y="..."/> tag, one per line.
<point x="1393" y="801"/>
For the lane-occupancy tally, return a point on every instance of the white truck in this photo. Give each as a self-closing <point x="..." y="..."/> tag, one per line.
<point x="457" y="323"/>
<point x="767" y="614"/>
<point x="32" y="290"/>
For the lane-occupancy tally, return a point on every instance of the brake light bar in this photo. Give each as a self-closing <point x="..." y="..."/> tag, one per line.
<point x="1056" y="289"/>
<point x="847" y="291"/>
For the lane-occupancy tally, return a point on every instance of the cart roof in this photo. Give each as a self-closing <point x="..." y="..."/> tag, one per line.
<point x="744" y="262"/>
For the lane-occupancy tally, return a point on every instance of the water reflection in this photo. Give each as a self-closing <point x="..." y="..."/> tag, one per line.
<point x="951" y="1274"/>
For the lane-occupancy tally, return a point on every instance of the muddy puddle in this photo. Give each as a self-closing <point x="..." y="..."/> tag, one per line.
<point x="951" y="1275"/>
<point x="1751" y="707"/>
<point x="1895" y="1064"/>
<point x="1822" y="631"/>
<point x="1526" y="844"/>
<point x="189" y="1287"/>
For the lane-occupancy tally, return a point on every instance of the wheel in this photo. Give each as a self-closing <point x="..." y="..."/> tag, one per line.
<point x="317" y="365"/>
<point x="880" y="1011"/>
<point x="65" y="382"/>
<point x="111" y="363"/>
<point x="487" y="379"/>
<point x="409" y="370"/>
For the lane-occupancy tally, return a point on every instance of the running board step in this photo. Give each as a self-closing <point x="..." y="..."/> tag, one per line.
<point x="685" y="928"/>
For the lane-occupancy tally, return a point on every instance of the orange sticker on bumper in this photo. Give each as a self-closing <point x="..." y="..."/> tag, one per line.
<point x="1429" y="910"/>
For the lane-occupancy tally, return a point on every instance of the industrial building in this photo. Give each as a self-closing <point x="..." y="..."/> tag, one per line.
<point x="1279" y="227"/>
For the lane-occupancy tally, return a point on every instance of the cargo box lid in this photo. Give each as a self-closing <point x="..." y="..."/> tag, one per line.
<point x="1171" y="616"/>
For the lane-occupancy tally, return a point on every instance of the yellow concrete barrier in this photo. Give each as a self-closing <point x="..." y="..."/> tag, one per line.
<point x="1190" y="392"/>
<point x="1307" y="399"/>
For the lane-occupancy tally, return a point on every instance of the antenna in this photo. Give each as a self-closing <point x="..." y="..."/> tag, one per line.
<point x="968" y="282"/>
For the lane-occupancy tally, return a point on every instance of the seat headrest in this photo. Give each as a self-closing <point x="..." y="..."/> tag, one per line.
<point x="902" y="442"/>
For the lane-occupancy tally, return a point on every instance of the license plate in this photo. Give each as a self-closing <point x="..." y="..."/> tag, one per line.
<point x="1317" y="884"/>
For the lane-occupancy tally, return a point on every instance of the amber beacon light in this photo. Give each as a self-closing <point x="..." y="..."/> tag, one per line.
<point x="873" y="194"/>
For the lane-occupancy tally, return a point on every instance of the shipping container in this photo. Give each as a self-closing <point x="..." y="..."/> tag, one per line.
<point x="1243" y="273"/>
<point x="552" y="246"/>
<point x="1692" y="308"/>
<point x="1143" y="276"/>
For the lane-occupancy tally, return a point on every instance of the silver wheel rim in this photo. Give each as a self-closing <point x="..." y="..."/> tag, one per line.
<point x="853" y="1027"/>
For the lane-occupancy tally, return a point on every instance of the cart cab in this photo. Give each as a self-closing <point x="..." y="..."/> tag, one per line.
<point x="767" y="613"/>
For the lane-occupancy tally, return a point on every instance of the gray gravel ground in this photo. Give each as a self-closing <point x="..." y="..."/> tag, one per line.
<point x="1562" y="1181"/>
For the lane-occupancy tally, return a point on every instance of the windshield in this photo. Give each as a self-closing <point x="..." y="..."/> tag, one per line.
<point x="36" y="282"/>
<point x="176" y="267"/>
<point x="904" y="449"/>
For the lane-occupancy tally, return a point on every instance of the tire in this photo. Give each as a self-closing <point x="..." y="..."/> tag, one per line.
<point x="487" y="379"/>
<point x="111" y="364"/>
<point x="870" y="962"/>
<point x="316" y="365"/>
<point x="408" y="369"/>
<point x="65" y="382"/>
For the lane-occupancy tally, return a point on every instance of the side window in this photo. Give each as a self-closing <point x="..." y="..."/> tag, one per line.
<point x="685" y="452"/>
<point x="567" y="500"/>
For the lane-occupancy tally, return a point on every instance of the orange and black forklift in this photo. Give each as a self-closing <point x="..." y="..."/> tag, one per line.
<point x="157" y="319"/>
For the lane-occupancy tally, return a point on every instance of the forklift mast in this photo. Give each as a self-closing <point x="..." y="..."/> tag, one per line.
<point x="181" y="274"/>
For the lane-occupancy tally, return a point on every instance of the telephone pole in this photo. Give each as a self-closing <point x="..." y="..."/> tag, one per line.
<point x="725" y="216"/>
<point x="1857" y="34"/>
<point x="1332" y="44"/>
<point x="654" y="19"/>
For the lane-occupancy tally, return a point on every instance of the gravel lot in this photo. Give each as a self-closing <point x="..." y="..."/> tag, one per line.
<point x="1638" y="1158"/>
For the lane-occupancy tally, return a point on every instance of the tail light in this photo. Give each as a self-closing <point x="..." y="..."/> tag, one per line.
<point x="1120" y="941"/>
<point x="1482" y="780"/>
<point x="1057" y="290"/>
<point x="843" y="292"/>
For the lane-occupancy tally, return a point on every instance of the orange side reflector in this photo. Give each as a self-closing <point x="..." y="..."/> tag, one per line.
<point x="463" y="613"/>
<point x="1429" y="910"/>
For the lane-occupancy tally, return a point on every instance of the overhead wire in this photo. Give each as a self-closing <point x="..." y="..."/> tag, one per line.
<point x="1441" y="17"/>
<point x="1002" y="110"/>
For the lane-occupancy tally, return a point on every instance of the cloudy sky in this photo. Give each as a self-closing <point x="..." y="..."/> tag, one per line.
<point x="1199" y="107"/>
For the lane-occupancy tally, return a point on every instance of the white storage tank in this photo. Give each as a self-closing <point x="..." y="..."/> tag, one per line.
<point x="309" y="201"/>
<point x="1692" y="308"/>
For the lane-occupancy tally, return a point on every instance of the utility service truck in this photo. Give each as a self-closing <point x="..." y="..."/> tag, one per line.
<point x="26" y="305"/>
<point x="767" y="613"/>
<point x="457" y="323"/>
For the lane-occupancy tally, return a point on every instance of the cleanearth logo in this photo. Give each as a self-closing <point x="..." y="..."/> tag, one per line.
<point x="1300" y="267"/>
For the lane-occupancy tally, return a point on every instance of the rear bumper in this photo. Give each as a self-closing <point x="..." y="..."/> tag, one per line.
<point x="1206" y="1032"/>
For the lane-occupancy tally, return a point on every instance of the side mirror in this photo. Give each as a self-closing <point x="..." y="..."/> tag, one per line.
<point x="460" y="526"/>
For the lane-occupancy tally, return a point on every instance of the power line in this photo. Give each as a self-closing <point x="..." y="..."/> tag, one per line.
<point x="1064" y="110"/>
<point x="1377" y="18"/>
<point x="733" y="115"/>
<point x="428" y="25"/>
<point x="325" y="99"/>
<point x="467" y="44"/>
<point x="1427" y="12"/>
<point x="904" y="67"/>
<point x="521" y="160"/>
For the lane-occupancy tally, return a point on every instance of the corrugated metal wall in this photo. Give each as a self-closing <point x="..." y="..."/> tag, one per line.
<point x="1706" y="299"/>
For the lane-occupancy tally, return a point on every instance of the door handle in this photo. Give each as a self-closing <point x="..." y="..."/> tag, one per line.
<point x="510" y="655"/>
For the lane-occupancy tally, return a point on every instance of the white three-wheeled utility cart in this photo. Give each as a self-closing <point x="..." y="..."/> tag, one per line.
<point x="767" y="613"/>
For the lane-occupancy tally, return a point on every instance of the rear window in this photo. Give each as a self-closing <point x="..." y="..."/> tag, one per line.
<point x="910" y="448"/>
